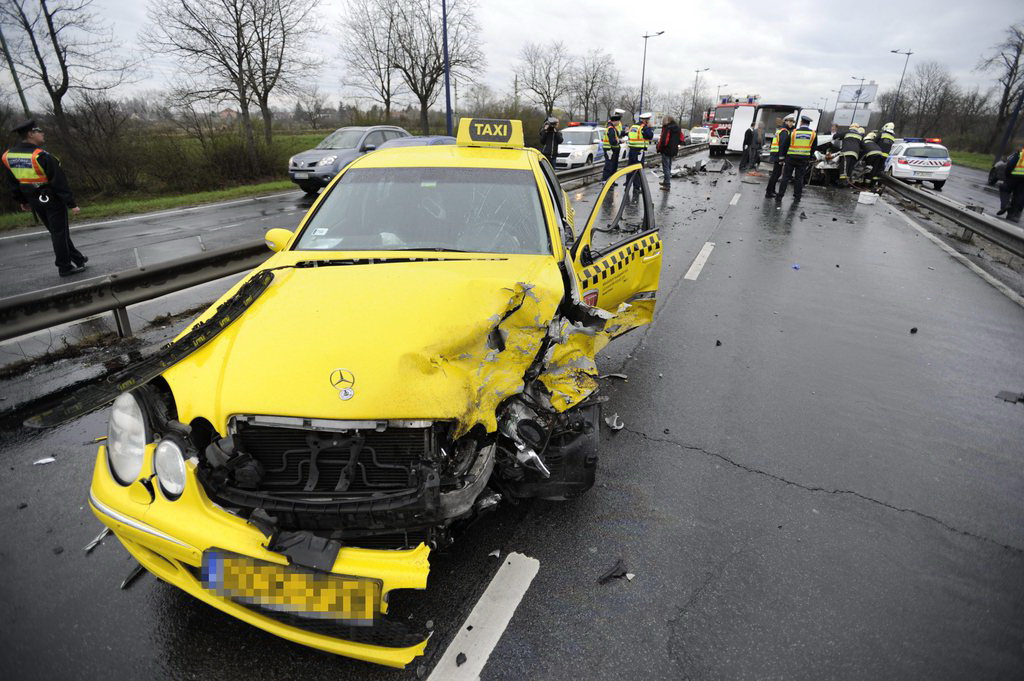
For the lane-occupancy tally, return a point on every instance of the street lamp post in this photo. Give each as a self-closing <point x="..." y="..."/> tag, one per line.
<point x="693" y="111"/>
<point x="896" y="102"/>
<point x="856" y="103"/>
<point x="718" y="93"/>
<point x="447" y="88"/>
<point x="643" y="69"/>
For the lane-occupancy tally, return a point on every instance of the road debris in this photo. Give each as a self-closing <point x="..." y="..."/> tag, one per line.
<point x="22" y="505"/>
<point x="617" y="571"/>
<point x="630" y="576"/>
<point x="718" y="343"/>
<point x="43" y="461"/>
<point x="913" y="329"/>
<point x="1011" y="397"/>
<point x="96" y="542"/>
<point x="803" y="215"/>
<point x="460" y="659"/>
<point x="622" y="376"/>
<point x="57" y="550"/>
<point x="614" y="422"/>
<point x="796" y="266"/>
<point x="496" y="553"/>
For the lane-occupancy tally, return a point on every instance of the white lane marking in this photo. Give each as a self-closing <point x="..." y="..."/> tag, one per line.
<point x="143" y="216"/>
<point x="698" y="262"/>
<point x="998" y="285"/>
<point x="483" y="628"/>
<point x="735" y="199"/>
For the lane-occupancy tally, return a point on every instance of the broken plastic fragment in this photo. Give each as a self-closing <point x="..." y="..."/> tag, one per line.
<point x="796" y="266"/>
<point x="96" y="542"/>
<point x="40" y="462"/>
<point x="496" y="553"/>
<point x="1011" y="397"/>
<point x="622" y="376"/>
<point x="614" y="422"/>
<point x="460" y="659"/>
<point x="913" y="329"/>
<point x="630" y="576"/>
<point x="136" y="572"/>
<point x="617" y="571"/>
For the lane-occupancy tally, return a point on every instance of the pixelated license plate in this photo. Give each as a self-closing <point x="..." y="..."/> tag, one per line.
<point x="292" y="589"/>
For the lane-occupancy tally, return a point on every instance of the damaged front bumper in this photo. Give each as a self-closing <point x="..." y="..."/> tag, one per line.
<point x="169" y="538"/>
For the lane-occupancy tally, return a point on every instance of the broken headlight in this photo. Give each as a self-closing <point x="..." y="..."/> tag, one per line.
<point x="169" y="464"/>
<point x="126" y="438"/>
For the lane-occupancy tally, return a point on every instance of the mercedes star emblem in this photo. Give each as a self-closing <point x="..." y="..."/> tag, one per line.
<point x="344" y="381"/>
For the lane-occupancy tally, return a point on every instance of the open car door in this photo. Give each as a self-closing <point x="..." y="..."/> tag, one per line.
<point x="622" y="276"/>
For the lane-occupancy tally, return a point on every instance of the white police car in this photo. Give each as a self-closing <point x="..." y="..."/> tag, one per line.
<point x="581" y="146"/>
<point x="918" y="159"/>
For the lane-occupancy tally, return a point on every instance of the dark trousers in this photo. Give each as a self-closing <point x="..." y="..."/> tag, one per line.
<point x="751" y="157"/>
<point x="54" y="216"/>
<point x="636" y="155"/>
<point x="611" y="162"/>
<point x="1015" y="183"/>
<point x="773" y="177"/>
<point x="875" y="163"/>
<point x="846" y="165"/>
<point x="797" y="172"/>
<point x="666" y="169"/>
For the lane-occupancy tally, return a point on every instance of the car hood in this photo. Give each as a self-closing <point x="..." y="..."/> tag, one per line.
<point x="313" y="155"/>
<point x="444" y="339"/>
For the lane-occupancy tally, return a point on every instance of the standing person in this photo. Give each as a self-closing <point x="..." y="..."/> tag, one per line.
<point x="638" y="137"/>
<point x="886" y="139"/>
<point x="611" y="140"/>
<point x="798" y="159"/>
<point x="1015" y="183"/>
<point x="37" y="183"/>
<point x="668" y="145"/>
<point x="850" y="152"/>
<point x="777" y="152"/>
<point x="550" y="138"/>
<point x="755" y="151"/>
<point x="748" y="142"/>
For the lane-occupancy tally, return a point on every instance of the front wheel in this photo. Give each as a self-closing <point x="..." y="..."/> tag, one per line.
<point x="310" y="188"/>
<point x="938" y="185"/>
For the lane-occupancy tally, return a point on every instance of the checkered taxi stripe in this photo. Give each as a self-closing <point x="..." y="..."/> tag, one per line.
<point x="611" y="264"/>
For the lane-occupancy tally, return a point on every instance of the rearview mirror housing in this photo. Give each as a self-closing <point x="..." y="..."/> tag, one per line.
<point x="277" y="238"/>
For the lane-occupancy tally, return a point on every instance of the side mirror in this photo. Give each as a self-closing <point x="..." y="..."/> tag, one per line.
<point x="369" y="147"/>
<point x="586" y="257"/>
<point x="277" y="238"/>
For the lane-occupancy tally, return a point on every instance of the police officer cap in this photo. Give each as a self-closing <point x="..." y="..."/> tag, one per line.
<point x="805" y="118"/>
<point x="617" y="114"/>
<point x="644" y="116"/>
<point x="790" y="117"/>
<point x="23" y="128"/>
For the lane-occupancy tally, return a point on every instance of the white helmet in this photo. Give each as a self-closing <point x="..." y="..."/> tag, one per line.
<point x="645" y="115"/>
<point x="889" y="127"/>
<point x="790" y="117"/>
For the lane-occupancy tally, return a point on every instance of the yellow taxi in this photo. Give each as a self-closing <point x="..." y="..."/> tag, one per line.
<point x="419" y="348"/>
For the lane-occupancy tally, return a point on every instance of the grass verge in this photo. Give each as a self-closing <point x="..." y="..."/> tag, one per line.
<point x="117" y="207"/>
<point x="971" y="159"/>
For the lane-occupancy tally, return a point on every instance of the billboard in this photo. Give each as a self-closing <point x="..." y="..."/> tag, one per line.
<point x="846" y="117"/>
<point x="858" y="93"/>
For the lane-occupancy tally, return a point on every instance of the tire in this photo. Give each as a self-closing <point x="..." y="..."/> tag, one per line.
<point x="310" y="188"/>
<point x="938" y="185"/>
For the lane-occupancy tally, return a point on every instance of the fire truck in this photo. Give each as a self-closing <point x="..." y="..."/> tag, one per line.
<point x="724" y="116"/>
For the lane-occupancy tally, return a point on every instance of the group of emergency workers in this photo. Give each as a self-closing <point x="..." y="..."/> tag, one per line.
<point x="872" y="148"/>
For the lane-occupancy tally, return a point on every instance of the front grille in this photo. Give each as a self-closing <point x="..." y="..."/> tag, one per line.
<point x="296" y="461"/>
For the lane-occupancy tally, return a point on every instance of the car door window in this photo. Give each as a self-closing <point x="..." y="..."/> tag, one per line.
<point x="392" y="134"/>
<point x="375" y="139"/>
<point x="558" y="200"/>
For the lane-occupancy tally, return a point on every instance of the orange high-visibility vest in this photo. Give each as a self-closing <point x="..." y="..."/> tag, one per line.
<point x="25" y="167"/>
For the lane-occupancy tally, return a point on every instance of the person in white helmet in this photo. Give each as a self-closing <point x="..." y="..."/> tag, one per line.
<point x="611" y="139"/>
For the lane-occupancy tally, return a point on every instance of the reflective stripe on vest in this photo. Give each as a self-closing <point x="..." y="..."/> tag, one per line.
<point x="618" y="134"/>
<point x="801" y="141"/>
<point x="775" y="142"/>
<point x="636" y="136"/>
<point x="888" y="136"/>
<point x="851" y="135"/>
<point x="1019" y="168"/>
<point x="25" y="167"/>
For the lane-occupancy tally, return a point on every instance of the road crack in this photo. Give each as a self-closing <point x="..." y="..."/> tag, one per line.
<point x="826" y="490"/>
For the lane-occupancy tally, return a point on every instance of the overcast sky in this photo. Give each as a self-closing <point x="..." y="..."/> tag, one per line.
<point x="793" y="52"/>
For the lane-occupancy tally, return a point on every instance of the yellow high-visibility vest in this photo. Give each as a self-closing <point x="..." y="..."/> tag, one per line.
<point x="636" y="136"/>
<point x="801" y="141"/>
<point x="618" y="133"/>
<point x="25" y="167"/>
<point x="1019" y="168"/>
<point x="775" y="141"/>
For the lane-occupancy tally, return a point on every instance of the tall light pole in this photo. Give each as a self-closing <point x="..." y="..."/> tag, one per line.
<point x="643" y="69"/>
<point x="693" y="111"/>
<point x="447" y="88"/>
<point x="718" y="93"/>
<point x="896" y="102"/>
<point x="856" y="103"/>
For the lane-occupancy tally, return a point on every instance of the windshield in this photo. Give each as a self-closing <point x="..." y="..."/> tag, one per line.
<point x="700" y="131"/>
<point x="342" y="139"/>
<point x="575" y="137"/>
<point x="724" y="114"/>
<point x="480" y="210"/>
<point x="926" y="152"/>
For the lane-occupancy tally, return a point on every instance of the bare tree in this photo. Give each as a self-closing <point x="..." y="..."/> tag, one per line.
<point x="368" y="50"/>
<point x="419" y="51"/>
<point x="596" y="71"/>
<point x="278" y="62"/>
<point x="63" y="47"/>
<point x="546" y="72"/>
<point x="629" y="99"/>
<point x="215" y="40"/>
<point x="930" y="91"/>
<point x="311" y="106"/>
<point x="1007" y="62"/>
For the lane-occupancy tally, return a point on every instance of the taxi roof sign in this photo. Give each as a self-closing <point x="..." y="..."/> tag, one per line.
<point x="502" y="133"/>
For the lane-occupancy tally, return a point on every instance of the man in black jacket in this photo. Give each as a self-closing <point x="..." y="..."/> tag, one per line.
<point x="37" y="183"/>
<point x="550" y="138"/>
<point x="668" y="146"/>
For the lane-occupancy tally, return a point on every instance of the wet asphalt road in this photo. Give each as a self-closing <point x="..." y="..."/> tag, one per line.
<point x="823" y="495"/>
<point x="26" y="256"/>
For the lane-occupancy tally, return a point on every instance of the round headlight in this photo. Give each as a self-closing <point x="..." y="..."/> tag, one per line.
<point x="169" y="463"/>
<point x="126" y="438"/>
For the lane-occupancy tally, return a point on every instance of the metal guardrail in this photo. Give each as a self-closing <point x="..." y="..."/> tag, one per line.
<point x="39" y="310"/>
<point x="1000" y="233"/>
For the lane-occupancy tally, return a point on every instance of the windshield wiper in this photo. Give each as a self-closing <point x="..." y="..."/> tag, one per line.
<point x="440" y="249"/>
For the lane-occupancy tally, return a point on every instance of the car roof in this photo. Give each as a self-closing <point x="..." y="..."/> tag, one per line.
<point x="447" y="156"/>
<point x="907" y="145"/>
